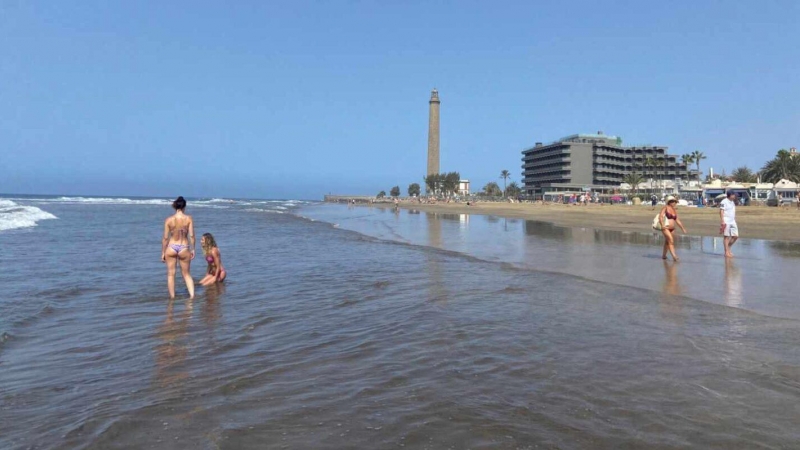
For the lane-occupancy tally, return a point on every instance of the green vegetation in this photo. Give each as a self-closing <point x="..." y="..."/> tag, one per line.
<point x="698" y="156"/>
<point x="743" y="175"/>
<point x="381" y="194"/>
<point x="783" y="166"/>
<point x="395" y="191"/>
<point x="505" y="174"/>
<point x="650" y="163"/>
<point x="513" y="190"/>
<point x="634" y="179"/>
<point x="687" y="159"/>
<point x="443" y="183"/>
<point x="413" y="190"/>
<point x="492" y="189"/>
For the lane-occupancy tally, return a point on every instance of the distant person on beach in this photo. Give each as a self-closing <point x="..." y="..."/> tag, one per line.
<point x="178" y="233"/>
<point x="215" y="272"/>
<point x="653" y="202"/>
<point x="669" y="218"/>
<point x="727" y="219"/>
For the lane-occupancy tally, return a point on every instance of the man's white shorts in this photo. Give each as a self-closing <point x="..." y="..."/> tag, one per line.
<point x="731" y="230"/>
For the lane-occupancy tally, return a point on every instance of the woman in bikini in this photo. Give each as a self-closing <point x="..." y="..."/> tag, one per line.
<point x="175" y="246"/>
<point x="215" y="273"/>
<point x="669" y="218"/>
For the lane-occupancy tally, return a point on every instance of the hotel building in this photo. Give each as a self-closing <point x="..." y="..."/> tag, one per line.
<point x="593" y="161"/>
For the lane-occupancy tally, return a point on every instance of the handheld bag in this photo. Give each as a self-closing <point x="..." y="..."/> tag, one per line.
<point x="657" y="225"/>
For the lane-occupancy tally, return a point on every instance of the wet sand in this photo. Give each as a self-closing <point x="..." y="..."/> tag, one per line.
<point x="758" y="279"/>
<point x="755" y="222"/>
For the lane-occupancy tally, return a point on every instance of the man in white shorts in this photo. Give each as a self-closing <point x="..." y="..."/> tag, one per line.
<point x="727" y="219"/>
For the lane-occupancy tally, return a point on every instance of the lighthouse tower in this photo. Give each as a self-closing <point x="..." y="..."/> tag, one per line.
<point x="433" y="133"/>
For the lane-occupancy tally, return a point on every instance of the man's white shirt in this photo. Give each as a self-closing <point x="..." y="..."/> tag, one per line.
<point x="728" y="211"/>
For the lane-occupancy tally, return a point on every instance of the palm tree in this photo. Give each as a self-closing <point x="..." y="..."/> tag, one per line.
<point x="634" y="179"/>
<point x="783" y="166"/>
<point x="513" y="189"/>
<point x="687" y="159"/>
<point x="698" y="156"/>
<point x="661" y="161"/>
<point x="504" y="174"/>
<point x="650" y="162"/>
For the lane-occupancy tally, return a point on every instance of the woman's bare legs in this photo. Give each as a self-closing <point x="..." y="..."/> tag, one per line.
<point x="669" y="245"/>
<point x="185" y="259"/>
<point x="208" y="279"/>
<point x="171" y="261"/>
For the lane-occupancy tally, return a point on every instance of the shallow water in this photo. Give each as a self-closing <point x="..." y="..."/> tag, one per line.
<point x="328" y="338"/>
<point x="760" y="278"/>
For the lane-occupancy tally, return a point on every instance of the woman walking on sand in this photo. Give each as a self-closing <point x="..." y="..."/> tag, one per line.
<point x="175" y="249"/>
<point x="668" y="217"/>
<point x="215" y="273"/>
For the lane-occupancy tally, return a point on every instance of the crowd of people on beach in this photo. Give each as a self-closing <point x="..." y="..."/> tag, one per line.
<point x="178" y="249"/>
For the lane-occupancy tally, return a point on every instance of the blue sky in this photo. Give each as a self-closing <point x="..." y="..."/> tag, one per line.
<point x="298" y="99"/>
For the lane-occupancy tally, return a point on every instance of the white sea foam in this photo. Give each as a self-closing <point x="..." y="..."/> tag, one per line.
<point x="14" y="216"/>
<point x="213" y="203"/>
<point x="260" y="210"/>
<point x="109" y="201"/>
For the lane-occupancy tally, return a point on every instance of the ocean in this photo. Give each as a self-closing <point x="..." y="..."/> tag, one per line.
<point x="367" y="328"/>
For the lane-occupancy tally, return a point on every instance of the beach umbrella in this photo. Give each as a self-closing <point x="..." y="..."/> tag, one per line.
<point x="720" y="196"/>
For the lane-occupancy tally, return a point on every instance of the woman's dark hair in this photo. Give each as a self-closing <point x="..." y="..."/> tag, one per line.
<point x="179" y="203"/>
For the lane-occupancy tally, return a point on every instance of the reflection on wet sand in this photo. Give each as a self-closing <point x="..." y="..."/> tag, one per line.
<point x="596" y="236"/>
<point x="211" y="312"/>
<point x="787" y="249"/>
<point x="733" y="284"/>
<point x="436" y="291"/>
<point x="672" y="300"/>
<point x="172" y="348"/>
<point x="616" y="257"/>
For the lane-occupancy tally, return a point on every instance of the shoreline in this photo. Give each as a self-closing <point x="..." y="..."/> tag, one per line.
<point x="755" y="222"/>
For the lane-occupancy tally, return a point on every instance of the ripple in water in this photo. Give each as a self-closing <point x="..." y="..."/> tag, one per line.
<point x="326" y="339"/>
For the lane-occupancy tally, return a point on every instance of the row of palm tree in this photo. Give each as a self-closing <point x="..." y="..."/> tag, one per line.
<point x="653" y="163"/>
<point x="784" y="166"/>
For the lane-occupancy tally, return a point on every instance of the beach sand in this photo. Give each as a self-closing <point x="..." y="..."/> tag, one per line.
<point x="755" y="222"/>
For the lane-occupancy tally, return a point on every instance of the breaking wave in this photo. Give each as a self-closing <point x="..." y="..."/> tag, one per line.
<point x="13" y="215"/>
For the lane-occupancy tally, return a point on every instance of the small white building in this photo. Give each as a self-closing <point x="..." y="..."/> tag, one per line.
<point x="784" y="191"/>
<point x="761" y="191"/>
<point x="463" y="188"/>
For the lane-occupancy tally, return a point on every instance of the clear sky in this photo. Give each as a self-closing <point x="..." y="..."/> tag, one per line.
<point x="298" y="99"/>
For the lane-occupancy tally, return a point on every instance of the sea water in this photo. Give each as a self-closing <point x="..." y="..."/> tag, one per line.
<point x="363" y="328"/>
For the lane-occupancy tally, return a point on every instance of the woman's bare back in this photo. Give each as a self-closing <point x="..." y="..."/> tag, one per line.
<point x="178" y="226"/>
